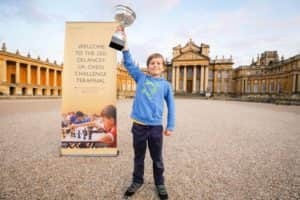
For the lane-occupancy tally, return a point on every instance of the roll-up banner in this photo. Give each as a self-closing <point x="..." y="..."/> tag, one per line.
<point x="88" y="112"/>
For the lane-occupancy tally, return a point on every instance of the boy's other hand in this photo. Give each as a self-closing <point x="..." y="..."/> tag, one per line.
<point x="122" y="30"/>
<point x="168" y="133"/>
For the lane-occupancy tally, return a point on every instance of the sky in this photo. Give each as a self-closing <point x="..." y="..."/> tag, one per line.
<point x="241" y="28"/>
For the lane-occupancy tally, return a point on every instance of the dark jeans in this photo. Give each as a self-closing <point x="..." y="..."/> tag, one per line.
<point x="154" y="136"/>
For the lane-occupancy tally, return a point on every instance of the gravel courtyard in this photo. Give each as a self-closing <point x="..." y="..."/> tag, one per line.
<point x="220" y="150"/>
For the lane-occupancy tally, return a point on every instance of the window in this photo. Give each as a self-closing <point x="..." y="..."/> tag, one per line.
<point x="218" y="87"/>
<point x="170" y="74"/>
<point x="226" y="87"/>
<point x="181" y="84"/>
<point x="248" y="87"/>
<point x="225" y="74"/>
<point x="209" y="88"/>
<point x="210" y="74"/>
<point x="263" y="86"/>
<point x="189" y="73"/>
<point x="219" y="74"/>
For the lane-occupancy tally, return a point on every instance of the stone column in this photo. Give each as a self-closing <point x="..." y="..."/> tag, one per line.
<point x="194" y="78"/>
<point x="55" y="78"/>
<point x="47" y="76"/>
<point x="18" y="88"/>
<point x="184" y="78"/>
<point x="275" y="86"/>
<point x="17" y="72"/>
<point x="206" y="79"/>
<point x="202" y="79"/>
<point x="177" y="77"/>
<point x="241" y="87"/>
<point x="3" y="71"/>
<point x="38" y="75"/>
<point x="3" y="77"/>
<point x="28" y="74"/>
<point x="38" y="81"/>
<point x="294" y="83"/>
<point x="246" y="86"/>
<point x="173" y="77"/>
<point x="267" y="86"/>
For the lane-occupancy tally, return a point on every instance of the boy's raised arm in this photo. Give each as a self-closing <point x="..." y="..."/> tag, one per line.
<point x="169" y="97"/>
<point x="133" y="70"/>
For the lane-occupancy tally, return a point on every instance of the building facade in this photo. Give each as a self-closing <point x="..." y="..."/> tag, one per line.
<point x="25" y="76"/>
<point x="192" y="71"/>
<point x="269" y="76"/>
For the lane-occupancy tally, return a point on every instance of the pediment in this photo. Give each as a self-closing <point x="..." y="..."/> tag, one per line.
<point x="190" y="47"/>
<point x="190" y="56"/>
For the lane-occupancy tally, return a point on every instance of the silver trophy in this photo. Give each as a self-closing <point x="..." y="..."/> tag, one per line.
<point x="125" y="16"/>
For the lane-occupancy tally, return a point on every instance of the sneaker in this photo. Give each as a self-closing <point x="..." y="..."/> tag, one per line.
<point x="132" y="189"/>
<point x="162" y="192"/>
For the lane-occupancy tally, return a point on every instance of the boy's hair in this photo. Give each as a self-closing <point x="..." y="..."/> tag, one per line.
<point x="109" y="112"/>
<point x="155" y="55"/>
<point x="79" y="114"/>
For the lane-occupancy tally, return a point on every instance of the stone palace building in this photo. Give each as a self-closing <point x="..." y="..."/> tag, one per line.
<point x="26" y="76"/>
<point x="191" y="72"/>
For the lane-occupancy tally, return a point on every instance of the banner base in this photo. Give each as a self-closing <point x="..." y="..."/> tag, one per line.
<point x="99" y="152"/>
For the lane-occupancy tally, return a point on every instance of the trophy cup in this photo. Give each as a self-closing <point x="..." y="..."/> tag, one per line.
<point x="125" y="16"/>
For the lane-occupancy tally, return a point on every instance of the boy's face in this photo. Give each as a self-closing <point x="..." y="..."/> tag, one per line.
<point x="79" y="118"/>
<point x="108" y="123"/>
<point x="155" y="67"/>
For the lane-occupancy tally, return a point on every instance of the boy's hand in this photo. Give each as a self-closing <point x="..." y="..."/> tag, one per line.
<point x="168" y="133"/>
<point x="122" y="30"/>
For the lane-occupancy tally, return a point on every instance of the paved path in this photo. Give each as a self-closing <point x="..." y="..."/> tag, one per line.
<point x="221" y="150"/>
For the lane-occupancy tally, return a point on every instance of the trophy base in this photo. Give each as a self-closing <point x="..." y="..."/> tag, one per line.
<point x="116" y="43"/>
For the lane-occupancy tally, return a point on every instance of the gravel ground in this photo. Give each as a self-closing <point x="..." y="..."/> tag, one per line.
<point x="220" y="150"/>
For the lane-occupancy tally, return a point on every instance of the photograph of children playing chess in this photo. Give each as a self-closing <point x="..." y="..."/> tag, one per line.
<point x="80" y="130"/>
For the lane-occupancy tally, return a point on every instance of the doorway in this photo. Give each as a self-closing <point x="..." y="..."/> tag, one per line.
<point x="12" y="90"/>
<point x="23" y="91"/>
<point x="189" y="86"/>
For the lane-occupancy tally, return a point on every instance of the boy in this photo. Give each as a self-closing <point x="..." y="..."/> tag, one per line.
<point x="109" y="115"/>
<point x="146" y="114"/>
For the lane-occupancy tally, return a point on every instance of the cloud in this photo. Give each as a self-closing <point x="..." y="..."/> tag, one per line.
<point x="240" y="29"/>
<point x="27" y="11"/>
<point x="243" y="34"/>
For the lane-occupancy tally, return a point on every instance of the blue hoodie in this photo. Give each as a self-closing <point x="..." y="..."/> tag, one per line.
<point x="150" y="94"/>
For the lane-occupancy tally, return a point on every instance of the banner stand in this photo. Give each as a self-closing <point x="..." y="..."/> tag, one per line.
<point x="88" y="110"/>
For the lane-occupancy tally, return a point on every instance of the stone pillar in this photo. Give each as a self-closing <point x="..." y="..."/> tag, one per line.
<point x="3" y="71"/>
<point x="275" y="86"/>
<point x="29" y="90"/>
<point x="267" y="86"/>
<point x="294" y="79"/>
<point x="3" y="77"/>
<point x="173" y="77"/>
<point x="177" y="78"/>
<point x="55" y="78"/>
<point x="206" y="79"/>
<point x="194" y="78"/>
<point x="28" y="74"/>
<point x="242" y="86"/>
<point x="202" y="79"/>
<point x="38" y="75"/>
<point x="246" y="86"/>
<point x="18" y="89"/>
<point x="184" y="78"/>
<point x="47" y="76"/>
<point x="17" y="72"/>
